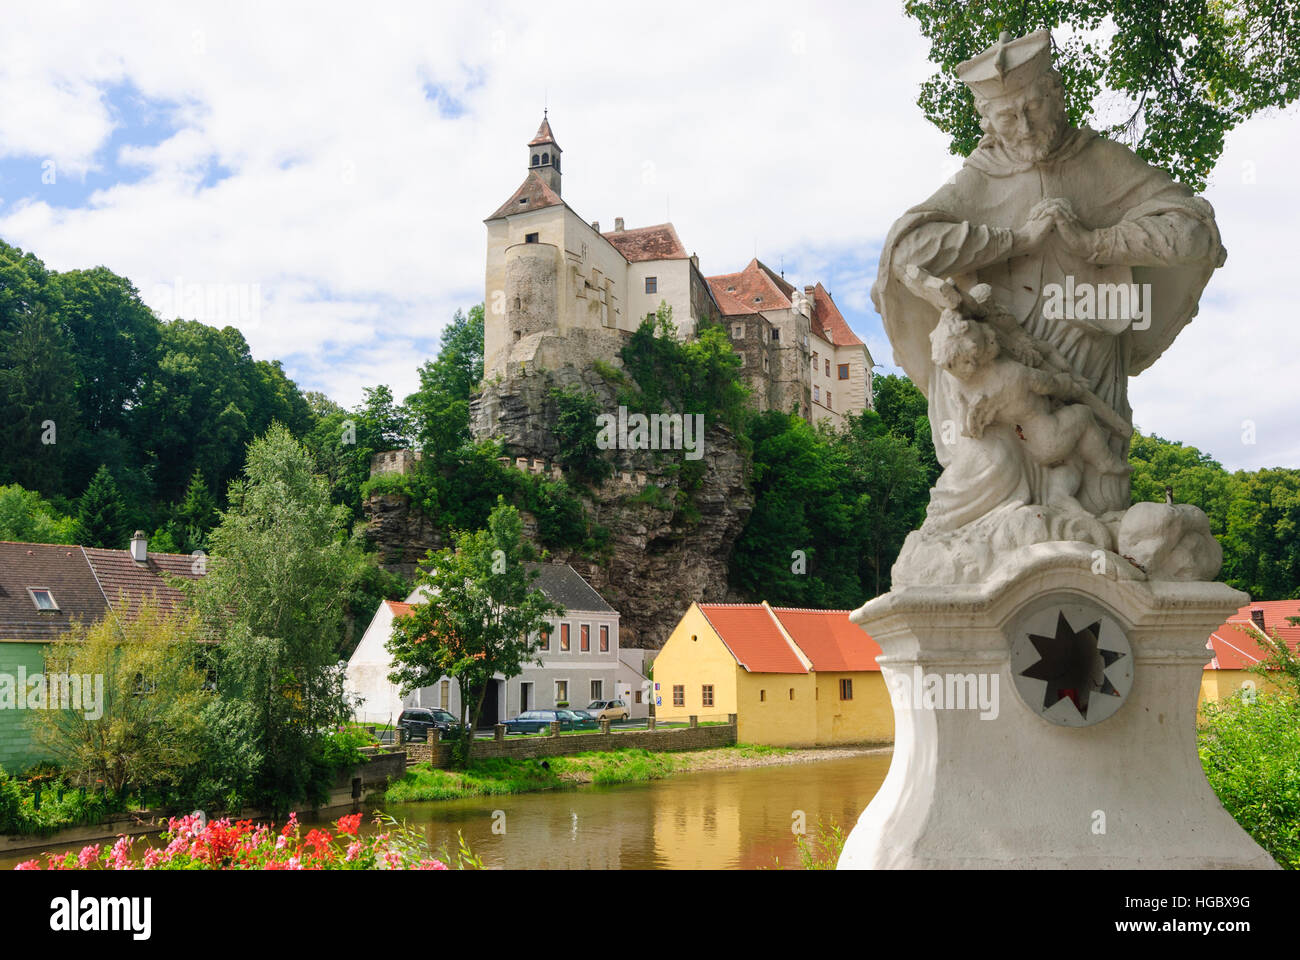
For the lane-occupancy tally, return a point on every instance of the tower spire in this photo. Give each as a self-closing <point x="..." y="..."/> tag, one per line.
<point x="544" y="153"/>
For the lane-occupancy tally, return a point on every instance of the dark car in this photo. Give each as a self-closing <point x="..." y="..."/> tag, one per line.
<point x="417" y="721"/>
<point x="582" y="720"/>
<point x="539" y="721"/>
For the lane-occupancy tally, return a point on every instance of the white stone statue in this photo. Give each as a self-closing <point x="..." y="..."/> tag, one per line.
<point x="1020" y="298"/>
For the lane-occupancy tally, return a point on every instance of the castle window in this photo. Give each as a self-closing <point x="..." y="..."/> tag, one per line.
<point x="765" y="361"/>
<point x="546" y="158"/>
<point x="817" y="394"/>
<point x="651" y="284"/>
<point x="758" y="299"/>
<point x="518" y="335"/>
<point x="844" y="371"/>
<point x="738" y="331"/>
<point x="731" y="289"/>
<point x="776" y="335"/>
<point x="742" y="358"/>
<point x="523" y="201"/>
<point x="536" y="159"/>
<point x="530" y="238"/>
<point x="828" y="400"/>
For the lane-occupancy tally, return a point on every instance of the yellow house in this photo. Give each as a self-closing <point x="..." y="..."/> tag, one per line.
<point x="1237" y="647"/>
<point x="792" y="677"/>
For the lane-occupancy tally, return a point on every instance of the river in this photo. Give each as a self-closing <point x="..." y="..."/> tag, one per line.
<point x="737" y="818"/>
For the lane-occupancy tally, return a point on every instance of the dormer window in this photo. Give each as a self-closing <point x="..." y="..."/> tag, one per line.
<point x="758" y="299"/>
<point x="523" y="200"/>
<point x="43" y="598"/>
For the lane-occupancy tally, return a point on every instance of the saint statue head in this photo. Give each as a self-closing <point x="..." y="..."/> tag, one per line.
<point x="1019" y="96"/>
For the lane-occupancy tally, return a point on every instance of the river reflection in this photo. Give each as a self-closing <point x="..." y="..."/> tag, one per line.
<point x="738" y="818"/>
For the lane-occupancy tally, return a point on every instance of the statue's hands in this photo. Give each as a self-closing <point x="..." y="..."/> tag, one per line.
<point x="1032" y="234"/>
<point x="1077" y="238"/>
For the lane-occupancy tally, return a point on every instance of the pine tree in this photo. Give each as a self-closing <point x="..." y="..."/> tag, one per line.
<point x="101" y="516"/>
<point x="196" y="515"/>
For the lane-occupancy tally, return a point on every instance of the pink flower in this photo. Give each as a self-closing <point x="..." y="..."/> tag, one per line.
<point x="354" y="850"/>
<point x="120" y="858"/>
<point x="29" y="865"/>
<point x="152" y="858"/>
<point x="432" y="865"/>
<point x="88" y="855"/>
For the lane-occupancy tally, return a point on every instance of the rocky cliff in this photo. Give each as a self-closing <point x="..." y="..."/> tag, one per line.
<point x="667" y="546"/>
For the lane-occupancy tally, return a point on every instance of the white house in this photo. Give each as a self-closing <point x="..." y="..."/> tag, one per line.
<point x="580" y="660"/>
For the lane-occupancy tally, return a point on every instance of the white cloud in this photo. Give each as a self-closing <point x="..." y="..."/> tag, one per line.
<point x="354" y="201"/>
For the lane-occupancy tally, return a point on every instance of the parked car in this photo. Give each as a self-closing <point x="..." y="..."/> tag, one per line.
<point x="582" y="720"/>
<point x="609" y="709"/>
<point x="539" y="721"/>
<point x="417" y="721"/>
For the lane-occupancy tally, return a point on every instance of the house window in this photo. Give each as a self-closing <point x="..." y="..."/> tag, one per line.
<point x="561" y="691"/>
<point x="776" y="335"/>
<point x="584" y="638"/>
<point x="638" y="696"/>
<point x="844" y="371"/>
<point x="544" y="641"/>
<point x="814" y="359"/>
<point x="597" y="687"/>
<point x="706" y="695"/>
<point x="817" y="394"/>
<point x="679" y="695"/>
<point x="564" y="637"/>
<point x="828" y="366"/>
<point x="530" y="238"/>
<point x="792" y="693"/>
<point x="762" y="696"/>
<point x="604" y="638"/>
<point x="738" y="331"/>
<point x="651" y="284"/>
<point x="43" y="598"/>
<point x="846" y="688"/>
<point x="444" y="694"/>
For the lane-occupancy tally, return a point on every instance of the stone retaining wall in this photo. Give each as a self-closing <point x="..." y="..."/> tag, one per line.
<point x="527" y="748"/>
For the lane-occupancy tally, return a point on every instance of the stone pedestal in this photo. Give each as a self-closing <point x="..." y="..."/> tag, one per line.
<point x="999" y="784"/>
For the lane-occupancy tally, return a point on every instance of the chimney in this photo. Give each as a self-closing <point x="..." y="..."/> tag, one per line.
<point x="809" y="290"/>
<point x="618" y="224"/>
<point x="1257" y="618"/>
<point x="595" y="225"/>
<point x="139" y="547"/>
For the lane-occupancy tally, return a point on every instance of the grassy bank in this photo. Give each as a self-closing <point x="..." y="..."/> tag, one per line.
<point x="500" y="776"/>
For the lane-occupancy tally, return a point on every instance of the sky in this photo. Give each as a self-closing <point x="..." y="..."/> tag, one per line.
<point x="321" y="171"/>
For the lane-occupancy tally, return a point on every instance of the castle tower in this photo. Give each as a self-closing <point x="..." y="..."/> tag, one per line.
<point x="544" y="155"/>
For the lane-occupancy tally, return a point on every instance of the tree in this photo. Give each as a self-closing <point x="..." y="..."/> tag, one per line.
<point x="196" y="515"/>
<point x="440" y="407"/>
<point x="1185" y="71"/>
<point x="482" y="617"/>
<point x="905" y="413"/>
<point x="102" y="519"/>
<point x="275" y="592"/>
<point x="38" y="407"/>
<point x="142" y="700"/>
<point x="27" y="518"/>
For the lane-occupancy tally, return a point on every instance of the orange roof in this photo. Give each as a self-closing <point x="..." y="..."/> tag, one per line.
<point x="533" y="194"/>
<point x="753" y="289"/>
<point x="544" y="134"/>
<point x="753" y="636"/>
<point x="399" y="609"/>
<point x="826" y="315"/>
<point x="1236" y="645"/>
<point x="829" y="639"/>
<point x="658" y="242"/>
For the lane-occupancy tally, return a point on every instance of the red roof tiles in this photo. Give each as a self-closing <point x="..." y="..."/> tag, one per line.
<point x="544" y="134"/>
<point x="753" y="636"/>
<point x="658" y="242"/>
<point x="829" y="639"/>
<point x="833" y="327"/>
<point x="533" y="194"/>
<point x="1236" y="645"/>
<point x="751" y="290"/>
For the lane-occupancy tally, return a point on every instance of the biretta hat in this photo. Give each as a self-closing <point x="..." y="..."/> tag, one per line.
<point x="1009" y="65"/>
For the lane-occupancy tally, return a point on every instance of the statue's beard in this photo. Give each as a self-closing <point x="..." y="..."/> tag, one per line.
<point x="1037" y="146"/>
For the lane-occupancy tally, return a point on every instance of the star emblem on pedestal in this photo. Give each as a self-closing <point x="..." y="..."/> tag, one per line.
<point x="1073" y="664"/>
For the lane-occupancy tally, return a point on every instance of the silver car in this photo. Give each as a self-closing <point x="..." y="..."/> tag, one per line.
<point x="609" y="710"/>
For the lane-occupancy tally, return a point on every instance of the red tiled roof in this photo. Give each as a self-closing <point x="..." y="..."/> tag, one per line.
<point x="829" y="639"/>
<point x="658" y="242"/>
<point x="828" y="317"/>
<point x="60" y="568"/>
<point x="533" y="194"/>
<point x="756" y="280"/>
<point x="399" y="609"/>
<point x="1236" y="645"/>
<point x="544" y="134"/>
<point x="120" y="577"/>
<point x="753" y="636"/>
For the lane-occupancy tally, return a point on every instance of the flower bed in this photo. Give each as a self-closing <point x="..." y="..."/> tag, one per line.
<point x="193" y="844"/>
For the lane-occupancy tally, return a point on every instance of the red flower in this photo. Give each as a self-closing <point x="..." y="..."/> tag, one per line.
<point x="349" y="825"/>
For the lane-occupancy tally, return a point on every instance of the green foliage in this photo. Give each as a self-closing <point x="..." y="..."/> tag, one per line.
<point x="1190" y="70"/>
<point x="142" y="730"/>
<point x="482" y="617"/>
<point x="39" y="419"/>
<point x="26" y="517"/>
<point x="276" y="592"/>
<point x="575" y="432"/>
<point x="1248" y="749"/>
<point x="102" y="519"/>
<point x="904" y="411"/>
<point x="696" y="376"/>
